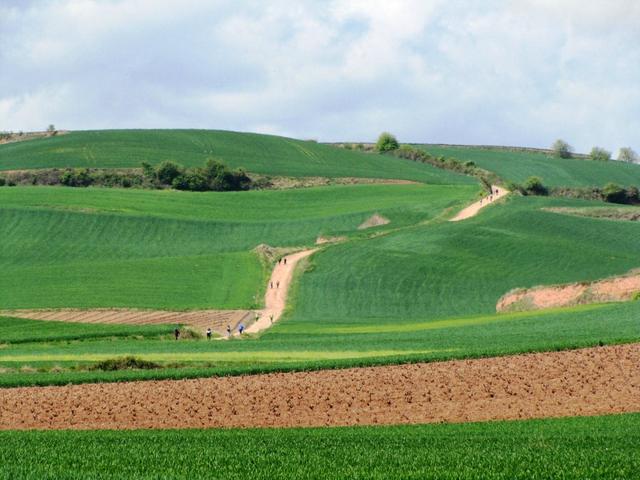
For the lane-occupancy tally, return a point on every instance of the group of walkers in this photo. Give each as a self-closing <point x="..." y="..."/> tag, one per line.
<point x="209" y="332"/>
<point x="241" y="327"/>
<point x="490" y="196"/>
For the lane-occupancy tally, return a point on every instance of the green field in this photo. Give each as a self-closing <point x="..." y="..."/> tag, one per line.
<point x="178" y="250"/>
<point x="517" y="166"/>
<point x="568" y="448"/>
<point x="291" y="345"/>
<point x="424" y="291"/>
<point x="263" y="154"/>
<point x="449" y="269"/>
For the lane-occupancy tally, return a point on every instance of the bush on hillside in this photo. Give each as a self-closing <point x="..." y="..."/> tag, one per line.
<point x="562" y="149"/>
<point x="386" y="143"/>
<point x="168" y="171"/>
<point x="609" y="193"/>
<point x="534" y="186"/>
<point x="600" y="154"/>
<point x="627" y="154"/>
<point x="2" y="181"/>
<point x="614" y="193"/>
<point x="214" y="176"/>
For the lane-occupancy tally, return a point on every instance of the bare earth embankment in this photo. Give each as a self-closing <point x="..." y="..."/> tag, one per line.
<point x="614" y="289"/>
<point x="594" y="381"/>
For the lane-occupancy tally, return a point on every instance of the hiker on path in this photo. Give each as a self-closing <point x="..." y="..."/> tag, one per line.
<point x="228" y="330"/>
<point x="241" y="328"/>
<point x="176" y="333"/>
<point x="209" y="333"/>
<point x="271" y="317"/>
<point x="285" y="260"/>
<point x="279" y="260"/>
<point x="271" y="284"/>
<point x="278" y="284"/>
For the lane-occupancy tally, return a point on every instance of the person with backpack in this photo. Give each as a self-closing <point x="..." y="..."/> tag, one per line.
<point x="209" y="333"/>
<point x="176" y="333"/>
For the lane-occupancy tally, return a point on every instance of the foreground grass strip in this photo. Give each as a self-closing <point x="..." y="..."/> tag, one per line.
<point x="569" y="448"/>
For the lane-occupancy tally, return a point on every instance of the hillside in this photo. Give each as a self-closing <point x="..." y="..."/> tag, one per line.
<point x="65" y="247"/>
<point x="262" y="154"/>
<point x="517" y="166"/>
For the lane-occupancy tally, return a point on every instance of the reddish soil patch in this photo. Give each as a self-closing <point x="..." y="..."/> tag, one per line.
<point x="593" y="381"/>
<point x="615" y="289"/>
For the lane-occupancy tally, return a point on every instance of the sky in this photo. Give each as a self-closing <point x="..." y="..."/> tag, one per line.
<point x="519" y="72"/>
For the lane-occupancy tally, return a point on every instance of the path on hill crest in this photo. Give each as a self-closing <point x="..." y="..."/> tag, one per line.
<point x="590" y="381"/>
<point x="275" y="300"/>
<point x="473" y="209"/>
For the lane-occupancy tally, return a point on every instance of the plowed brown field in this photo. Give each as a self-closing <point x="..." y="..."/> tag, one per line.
<point x="200" y="319"/>
<point x="591" y="381"/>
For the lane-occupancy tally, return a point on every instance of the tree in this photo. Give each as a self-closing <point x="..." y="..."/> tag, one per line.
<point x="386" y="143"/>
<point x="627" y="154"/>
<point x="168" y="171"/>
<point x="562" y="149"/>
<point x="51" y="128"/>
<point x="600" y="154"/>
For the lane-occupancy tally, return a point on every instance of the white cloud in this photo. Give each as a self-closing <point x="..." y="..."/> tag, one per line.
<point x="496" y="72"/>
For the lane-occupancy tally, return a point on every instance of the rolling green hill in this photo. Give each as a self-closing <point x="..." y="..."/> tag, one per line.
<point x="450" y="269"/>
<point x="263" y="154"/>
<point x="177" y="250"/>
<point x="517" y="166"/>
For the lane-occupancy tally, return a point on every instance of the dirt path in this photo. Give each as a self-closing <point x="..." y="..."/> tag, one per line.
<point x="473" y="209"/>
<point x="595" y="381"/>
<point x="275" y="299"/>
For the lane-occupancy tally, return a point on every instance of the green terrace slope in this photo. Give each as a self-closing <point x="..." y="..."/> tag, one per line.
<point x="263" y="154"/>
<point x="517" y="166"/>
<point x="451" y="269"/>
<point x="178" y="250"/>
<point x="570" y="448"/>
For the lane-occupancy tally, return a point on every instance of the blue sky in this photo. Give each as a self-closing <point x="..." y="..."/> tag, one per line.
<point x="521" y="72"/>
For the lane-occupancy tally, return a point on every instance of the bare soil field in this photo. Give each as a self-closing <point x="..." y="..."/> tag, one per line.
<point x="594" y="381"/>
<point x="615" y="289"/>
<point x="197" y="319"/>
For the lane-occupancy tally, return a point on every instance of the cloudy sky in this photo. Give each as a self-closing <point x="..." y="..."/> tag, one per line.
<point x="520" y="72"/>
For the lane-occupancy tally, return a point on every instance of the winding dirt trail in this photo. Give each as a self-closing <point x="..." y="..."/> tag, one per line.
<point x="275" y="299"/>
<point x="592" y="381"/>
<point x="473" y="209"/>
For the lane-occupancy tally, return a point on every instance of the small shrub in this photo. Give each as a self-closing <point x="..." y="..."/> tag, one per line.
<point x="534" y="186"/>
<point x="636" y="296"/>
<point x="614" y="193"/>
<point x="2" y="181"/>
<point x="125" y="363"/>
<point x="386" y="143"/>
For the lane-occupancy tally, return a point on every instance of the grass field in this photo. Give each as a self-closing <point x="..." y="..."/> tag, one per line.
<point x="420" y="293"/>
<point x="568" y="448"/>
<point x="292" y="345"/>
<point x="450" y="269"/>
<point x="517" y="166"/>
<point x="178" y="250"/>
<point x="18" y="330"/>
<point x="264" y="154"/>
